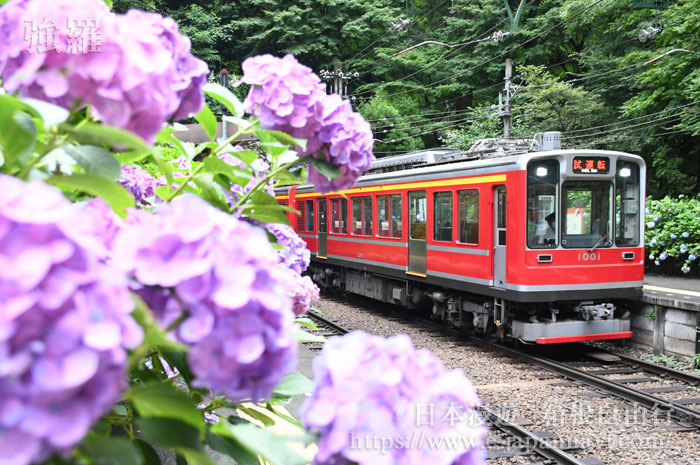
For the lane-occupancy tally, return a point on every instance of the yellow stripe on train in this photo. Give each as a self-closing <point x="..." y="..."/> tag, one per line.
<point x="408" y="185"/>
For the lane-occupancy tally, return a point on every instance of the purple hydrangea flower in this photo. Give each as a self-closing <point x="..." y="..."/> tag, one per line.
<point x="685" y="235"/>
<point x="692" y="257"/>
<point x="287" y="96"/>
<point x="139" y="183"/>
<point x="650" y="224"/>
<point x="64" y="324"/>
<point x="369" y="387"/>
<point x="673" y="236"/>
<point x="189" y="256"/>
<point x="105" y="222"/>
<point x="135" y="70"/>
<point x="303" y="292"/>
<point x="295" y="255"/>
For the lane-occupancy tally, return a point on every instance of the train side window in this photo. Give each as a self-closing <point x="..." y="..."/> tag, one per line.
<point x="339" y="216"/>
<point x="362" y="216"/>
<point x="442" y="216"/>
<point x="542" y="204"/>
<point x="367" y="215"/>
<point x="396" y="216"/>
<point x="469" y="216"/>
<point x="309" y="215"/>
<point x="302" y="217"/>
<point x="627" y="204"/>
<point x="383" y="219"/>
<point x="357" y="216"/>
<point x="419" y="215"/>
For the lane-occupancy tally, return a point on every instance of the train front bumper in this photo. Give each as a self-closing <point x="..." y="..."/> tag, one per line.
<point x="571" y="331"/>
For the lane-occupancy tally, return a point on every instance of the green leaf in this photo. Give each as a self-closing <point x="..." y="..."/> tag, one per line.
<point x="261" y="442"/>
<point x="229" y="447"/>
<point x="211" y="191"/>
<point x="109" y="136"/>
<point x="94" y="160"/>
<point x="326" y="168"/>
<point x="224" y="96"/>
<point x="303" y="336"/>
<point x="283" y="137"/>
<point x="49" y="113"/>
<point x="165" y="136"/>
<point x="256" y="414"/>
<point x="306" y="322"/>
<point x="18" y="132"/>
<point x="174" y="434"/>
<point x="164" y="401"/>
<point x="294" y="384"/>
<point x="208" y="121"/>
<point x="163" y="167"/>
<point x="263" y="207"/>
<point x="111" y="451"/>
<point x="128" y="158"/>
<point x="216" y="165"/>
<point x="246" y="156"/>
<point x="153" y="334"/>
<point x="149" y="454"/>
<point x="115" y="195"/>
<point x="177" y="359"/>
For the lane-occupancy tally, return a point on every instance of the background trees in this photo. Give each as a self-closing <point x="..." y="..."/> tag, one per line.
<point x="578" y="68"/>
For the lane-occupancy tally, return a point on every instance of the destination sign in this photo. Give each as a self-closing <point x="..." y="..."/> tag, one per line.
<point x="591" y="165"/>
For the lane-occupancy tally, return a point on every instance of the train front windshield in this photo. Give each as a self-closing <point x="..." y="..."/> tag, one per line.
<point x="586" y="214"/>
<point x="583" y="213"/>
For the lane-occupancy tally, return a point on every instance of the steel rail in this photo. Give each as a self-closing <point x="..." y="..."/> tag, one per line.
<point x="661" y="370"/>
<point x="532" y="441"/>
<point x="323" y="320"/>
<point x="540" y="445"/>
<point x="654" y="403"/>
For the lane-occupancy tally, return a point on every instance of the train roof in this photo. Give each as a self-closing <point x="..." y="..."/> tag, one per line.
<point x="432" y="163"/>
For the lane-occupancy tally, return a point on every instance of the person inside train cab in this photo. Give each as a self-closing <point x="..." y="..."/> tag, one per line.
<point x="551" y="233"/>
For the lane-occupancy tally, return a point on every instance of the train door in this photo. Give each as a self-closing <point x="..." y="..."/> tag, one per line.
<point x="417" y="232"/>
<point x="322" y="232"/>
<point x="499" y="240"/>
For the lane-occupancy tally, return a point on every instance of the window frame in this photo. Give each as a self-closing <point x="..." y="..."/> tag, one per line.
<point x="436" y="195"/>
<point x="310" y="212"/>
<point x="301" y="222"/>
<point x="342" y="211"/>
<point x="389" y="206"/>
<point x="557" y="207"/>
<point x="611" y="213"/>
<point x="363" y="202"/>
<point x="459" y="216"/>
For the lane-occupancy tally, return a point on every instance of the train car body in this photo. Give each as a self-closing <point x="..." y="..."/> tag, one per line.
<point x="538" y="246"/>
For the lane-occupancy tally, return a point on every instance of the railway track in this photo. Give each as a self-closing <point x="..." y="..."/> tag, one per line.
<point x="600" y="377"/>
<point x="506" y="439"/>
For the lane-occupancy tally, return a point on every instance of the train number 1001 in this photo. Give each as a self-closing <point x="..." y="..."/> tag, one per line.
<point x="589" y="257"/>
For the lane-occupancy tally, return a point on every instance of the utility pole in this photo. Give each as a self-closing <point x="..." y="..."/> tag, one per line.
<point x="505" y="112"/>
<point x="339" y="79"/>
<point x="223" y="79"/>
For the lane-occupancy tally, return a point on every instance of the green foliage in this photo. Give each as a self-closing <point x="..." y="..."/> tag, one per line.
<point x="673" y="230"/>
<point x="486" y="124"/>
<point x="545" y="103"/>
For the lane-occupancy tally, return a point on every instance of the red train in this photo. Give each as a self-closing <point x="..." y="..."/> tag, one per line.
<point x="542" y="246"/>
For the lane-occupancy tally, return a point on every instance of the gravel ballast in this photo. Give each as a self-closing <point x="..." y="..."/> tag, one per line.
<point x="604" y="427"/>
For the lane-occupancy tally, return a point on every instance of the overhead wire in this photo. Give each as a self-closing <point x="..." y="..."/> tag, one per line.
<point x="435" y="26"/>
<point x="422" y="35"/>
<point x="564" y="21"/>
